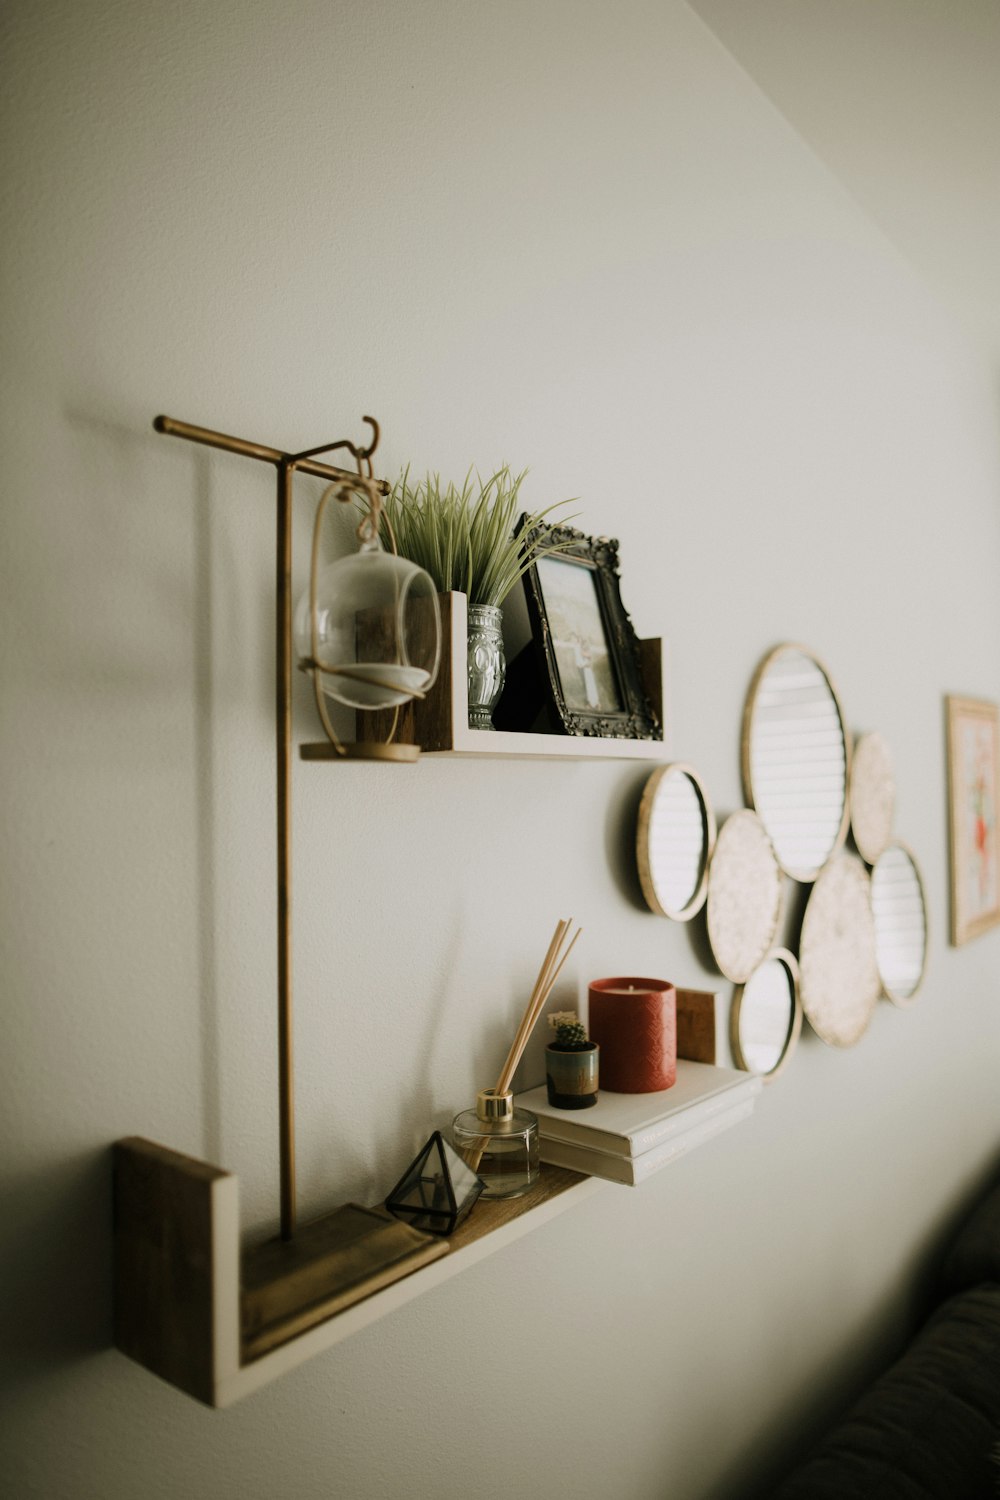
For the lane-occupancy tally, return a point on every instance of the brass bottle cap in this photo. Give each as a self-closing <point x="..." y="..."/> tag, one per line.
<point x="493" y="1106"/>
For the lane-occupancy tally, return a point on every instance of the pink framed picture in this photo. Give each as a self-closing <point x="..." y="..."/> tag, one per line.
<point x="973" y="787"/>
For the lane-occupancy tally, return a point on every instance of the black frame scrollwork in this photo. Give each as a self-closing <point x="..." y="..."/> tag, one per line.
<point x="637" y="718"/>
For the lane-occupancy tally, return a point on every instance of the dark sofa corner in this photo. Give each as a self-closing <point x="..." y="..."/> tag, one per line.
<point x="929" y="1428"/>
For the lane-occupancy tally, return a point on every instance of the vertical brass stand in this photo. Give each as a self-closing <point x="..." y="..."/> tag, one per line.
<point x="286" y="464"/>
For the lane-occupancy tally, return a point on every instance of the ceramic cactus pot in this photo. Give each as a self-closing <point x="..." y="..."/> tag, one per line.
<point x="571" y="1075"/>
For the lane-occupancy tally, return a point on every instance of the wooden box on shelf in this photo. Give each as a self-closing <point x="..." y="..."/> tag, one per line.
<point x="440" y="723"/>
<point x="703" y="1027"/>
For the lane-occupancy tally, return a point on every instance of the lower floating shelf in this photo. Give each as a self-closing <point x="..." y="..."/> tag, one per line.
<point x="178" y="1271"/>
<point x="220" y="1325"/>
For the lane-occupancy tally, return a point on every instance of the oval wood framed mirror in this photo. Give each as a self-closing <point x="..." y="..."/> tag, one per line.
<point x="675" y="837"/>
<point x="839" y="981"/>
<point x="765" y="1021"/>
<point x="872" y="795"/>
<point x="744" y="895"/>
<point x="901" y="932"/>
<point x="795" y="756"/>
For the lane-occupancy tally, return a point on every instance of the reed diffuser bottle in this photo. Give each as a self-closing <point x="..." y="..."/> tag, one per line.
<point x="499" y="1143"/>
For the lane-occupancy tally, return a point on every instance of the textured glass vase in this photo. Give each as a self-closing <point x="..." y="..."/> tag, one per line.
<point x="487" y="665"/>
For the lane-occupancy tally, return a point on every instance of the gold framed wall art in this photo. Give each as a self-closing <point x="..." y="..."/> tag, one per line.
<point x="973" y="786"/>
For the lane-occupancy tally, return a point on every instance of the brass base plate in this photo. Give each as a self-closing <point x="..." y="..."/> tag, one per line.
<point x="378" y="751"/>
<point x="288" y="1286"/>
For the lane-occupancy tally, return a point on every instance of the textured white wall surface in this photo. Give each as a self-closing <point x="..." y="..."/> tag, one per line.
<point x="579" y="239"/>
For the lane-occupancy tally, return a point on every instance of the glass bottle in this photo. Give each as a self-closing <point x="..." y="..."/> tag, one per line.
<point x="499" y="1143"/>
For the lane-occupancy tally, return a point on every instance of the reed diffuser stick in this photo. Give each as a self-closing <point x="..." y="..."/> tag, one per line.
<point x="542" y="1000"/>
<point x="547" y="976"/>
<point x="520" y="1036"/>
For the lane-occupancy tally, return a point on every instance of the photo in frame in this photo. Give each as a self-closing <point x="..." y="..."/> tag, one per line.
<point x="588" y="652"/>
<point x="973" y="791"/>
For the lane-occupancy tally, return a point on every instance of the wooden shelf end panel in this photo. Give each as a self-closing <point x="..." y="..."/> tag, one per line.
<point x="176" y="1266"/>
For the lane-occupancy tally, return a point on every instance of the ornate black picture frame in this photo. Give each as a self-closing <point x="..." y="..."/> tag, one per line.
<point x="588" y="649"/>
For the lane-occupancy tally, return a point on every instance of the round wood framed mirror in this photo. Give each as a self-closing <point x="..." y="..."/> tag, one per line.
<point x="675" y="837"/>
<point x="795" y="759"/>
<point x="900" y="913"/>
<point x="766" y="1016"/>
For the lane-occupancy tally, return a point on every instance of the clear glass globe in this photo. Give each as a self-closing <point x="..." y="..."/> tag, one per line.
<point x="378" y="629"/>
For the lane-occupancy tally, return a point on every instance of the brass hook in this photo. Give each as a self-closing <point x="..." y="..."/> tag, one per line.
<point x="360" y="455"/>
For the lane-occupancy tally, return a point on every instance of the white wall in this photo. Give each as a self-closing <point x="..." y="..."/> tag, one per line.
<point x="898" y="97"/>
<point x="573" y="237"/>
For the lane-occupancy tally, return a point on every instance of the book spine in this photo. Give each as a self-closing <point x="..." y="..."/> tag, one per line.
<point x="580" y="1159"/>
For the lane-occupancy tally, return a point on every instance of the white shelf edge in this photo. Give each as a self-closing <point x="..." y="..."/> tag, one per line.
<point x="507" y="744"/>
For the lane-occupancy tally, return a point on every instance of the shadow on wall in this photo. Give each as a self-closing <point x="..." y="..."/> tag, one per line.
<point x="55" y="1262"/>
<point x="620" y="817"/>
<point x="163" y="574"/>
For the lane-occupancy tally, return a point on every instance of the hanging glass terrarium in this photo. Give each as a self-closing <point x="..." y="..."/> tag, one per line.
<point x="368" y="628"/>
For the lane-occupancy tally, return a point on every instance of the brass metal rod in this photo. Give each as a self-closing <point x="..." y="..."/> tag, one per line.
<point x="286" y="464"/>
<point x="172" y="428"/>
<point x="283" y="700"/>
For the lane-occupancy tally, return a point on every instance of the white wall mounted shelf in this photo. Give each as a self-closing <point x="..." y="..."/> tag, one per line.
<point x="440" y="725"/>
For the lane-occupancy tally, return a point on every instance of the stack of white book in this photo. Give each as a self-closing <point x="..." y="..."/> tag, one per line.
<point x="627" y="1137"/>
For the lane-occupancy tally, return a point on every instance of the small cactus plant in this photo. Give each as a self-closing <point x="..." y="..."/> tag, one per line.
<point x="571" y="1036"/>
<point x="570" y="1063"/>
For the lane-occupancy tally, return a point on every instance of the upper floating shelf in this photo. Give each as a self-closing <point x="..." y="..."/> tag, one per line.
<point x="440" y="725"/>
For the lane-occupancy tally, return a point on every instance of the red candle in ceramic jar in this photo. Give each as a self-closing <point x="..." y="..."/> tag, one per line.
<point x="634" y="1021"/>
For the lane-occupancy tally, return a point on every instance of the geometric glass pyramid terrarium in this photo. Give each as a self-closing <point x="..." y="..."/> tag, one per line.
<point x="437" y="1190"/>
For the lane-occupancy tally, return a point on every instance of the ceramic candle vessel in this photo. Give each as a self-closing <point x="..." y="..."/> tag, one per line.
<point x="635" y="1023"/>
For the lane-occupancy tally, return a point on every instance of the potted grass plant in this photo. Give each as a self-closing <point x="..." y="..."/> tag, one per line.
<point x="571" y="1063"/>
<point x="464" y="537"/>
